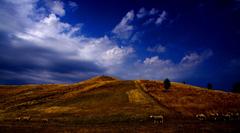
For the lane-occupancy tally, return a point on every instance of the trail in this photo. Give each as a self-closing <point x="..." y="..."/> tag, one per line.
<point x="167" y="110"/>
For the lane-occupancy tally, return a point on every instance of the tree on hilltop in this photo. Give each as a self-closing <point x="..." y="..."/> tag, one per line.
<point x="236" y="87"/>
<point x="167" y="84"/>
<point x="209" y="86"/>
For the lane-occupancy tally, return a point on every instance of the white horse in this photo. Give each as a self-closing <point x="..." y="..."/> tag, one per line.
<point x="201" y="117"/>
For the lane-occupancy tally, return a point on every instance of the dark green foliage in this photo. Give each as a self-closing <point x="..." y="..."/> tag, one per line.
<point x="167" y="84"/>
<point x="209" y="86"/>
<point x="236" y="87"/>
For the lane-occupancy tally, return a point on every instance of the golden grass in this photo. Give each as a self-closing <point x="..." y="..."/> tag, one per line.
<point x="190" y="100"/>
<point x="58" y="109"/>
<point x="88" y="101"/>
<point x="101" y="79"/>
<point x="108" y="99"/>
<point x="135" y="96"/>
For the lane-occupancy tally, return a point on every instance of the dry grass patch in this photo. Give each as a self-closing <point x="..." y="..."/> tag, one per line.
<point x="58" y="109"/>
<point x="107" y="99"/>
<point x="136" y="96"/>
<point x="190" y="100"/>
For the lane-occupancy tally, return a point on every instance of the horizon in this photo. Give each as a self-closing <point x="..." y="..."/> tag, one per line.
<point x="67" y="41"/>
<point x="99" y="76"/>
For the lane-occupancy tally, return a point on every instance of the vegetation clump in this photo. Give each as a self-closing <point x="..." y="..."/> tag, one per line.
<point x="167" y="84"/>
<point x="236" y="87"/>
<point x="209" y="86"/>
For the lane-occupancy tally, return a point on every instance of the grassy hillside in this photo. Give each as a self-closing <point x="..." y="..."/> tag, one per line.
<point x="96" y="100"/>
<point x="191" y="100"/>
<point x="105" y="99"/>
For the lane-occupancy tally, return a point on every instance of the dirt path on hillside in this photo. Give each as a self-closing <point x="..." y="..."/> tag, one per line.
<point x="168" y="111"/>
<point x="147" y="97"/>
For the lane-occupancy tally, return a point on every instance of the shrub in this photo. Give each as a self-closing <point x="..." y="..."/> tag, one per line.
<point x="209" y="86"/>
<point x="167" y="84"/>
<point x="236" y="87"/>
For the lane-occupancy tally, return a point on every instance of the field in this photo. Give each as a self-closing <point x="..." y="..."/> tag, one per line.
<point x="106" y="104"/>
<point x="191" y="100"/>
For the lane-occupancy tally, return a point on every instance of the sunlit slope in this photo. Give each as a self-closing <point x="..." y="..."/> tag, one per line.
<point x="191" y="100"/>
<point x="107" y="99"/>
<point x="95" y="100"/>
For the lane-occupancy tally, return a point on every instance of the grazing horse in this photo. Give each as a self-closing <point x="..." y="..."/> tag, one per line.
<point x="26" y="118"/>
<point x="227" y="117"/>
<point x="18" y="118"/>
<point x="45" y="119"/>
<point x="156" y="119"/>
<point x="213" y="116"/>
<point x="201" y="117"/>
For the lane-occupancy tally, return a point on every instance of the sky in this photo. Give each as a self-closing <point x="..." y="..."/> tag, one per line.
<point x="67" y="41"/>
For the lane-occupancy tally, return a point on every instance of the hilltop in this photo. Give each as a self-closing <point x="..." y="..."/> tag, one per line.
<point x="101" y="78"/>
<point x="105" y="99"/>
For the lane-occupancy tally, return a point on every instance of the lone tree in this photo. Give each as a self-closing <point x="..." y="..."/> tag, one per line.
<point x="209" y="86"/>
<point x="236" y="87"/>
<point x="167" y="84"/>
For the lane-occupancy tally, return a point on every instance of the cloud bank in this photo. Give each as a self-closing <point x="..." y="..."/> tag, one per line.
<point x="38" y="47"/>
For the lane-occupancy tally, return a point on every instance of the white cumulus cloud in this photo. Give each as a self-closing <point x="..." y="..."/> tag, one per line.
<point x="153" y="11"/>
<point x="157" y="49"/>
<point x="124" y="29"/>
<point x="157" y="68"/>
<point x="56" y="47"/>
<point x="73" y="4"/>
<point x="141" y="13"/>
<point x="195" y="58"/>
<point x="57" y="7"/>
<point x="51" y="34"/>
<point x="161" y="18"/>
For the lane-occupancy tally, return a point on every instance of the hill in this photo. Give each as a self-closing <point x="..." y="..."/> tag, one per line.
<point x="191" y="100"/>
<point x="106" y="99"/>
<point x="98" y="100"/>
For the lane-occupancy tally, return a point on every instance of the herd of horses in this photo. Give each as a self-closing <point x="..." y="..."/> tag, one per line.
<point x="229" y="116"/>
<point x="158" y="119"/>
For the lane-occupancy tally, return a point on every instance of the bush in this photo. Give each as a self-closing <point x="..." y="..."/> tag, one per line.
<point x="209" y="86"/>
<point x="236" y="87"/>
<point x="167" y="84"/>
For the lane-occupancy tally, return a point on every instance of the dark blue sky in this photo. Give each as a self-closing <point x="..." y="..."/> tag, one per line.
<point x="44" y="41"/>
